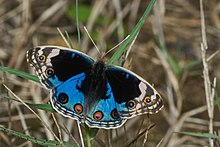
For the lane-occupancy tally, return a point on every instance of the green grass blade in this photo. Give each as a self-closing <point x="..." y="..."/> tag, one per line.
<point x="69" y="41"/>
<point x="90" y="134"/>
<point x="174" y="65"/>
<point x="206" y="135"/>
<point x="20" y="74"/>
<point x="5" y="96"/>
<point x="46" y="107"/>
<point x="25" y="75"/>
<point x="217" y="100"/>
<point x="80" y="12"/>
<point x="172" y="62"/>
<point x="124" y="46"/>
<point x="51" y="143"/>
<point x="77" y="25"/>
<point x="192" y="64"/>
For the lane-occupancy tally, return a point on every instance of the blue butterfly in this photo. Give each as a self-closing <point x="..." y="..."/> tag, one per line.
<point x="89" y="91"/>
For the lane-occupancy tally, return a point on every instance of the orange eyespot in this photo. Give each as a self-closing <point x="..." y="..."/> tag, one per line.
<point x="78" y="108"/>
<point x="63" y="98"/>
<point x="147" y="99"/>
<point x="114" y="114"/>
<point x="131" y="104"/>
<point x="49" y="72"/>
<point x="41" y="58"/>
<point x="98" y="115"/>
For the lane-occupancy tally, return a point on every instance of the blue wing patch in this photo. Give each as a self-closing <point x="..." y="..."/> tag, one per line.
<point x="68" y="100"/>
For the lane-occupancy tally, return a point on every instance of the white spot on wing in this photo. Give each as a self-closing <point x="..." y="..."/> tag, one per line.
<point x="40" y="52"/>
<point x="53" y="53"/>
<point x="43" y="68"/>
<point x="153" y="97"/>
<point x="142" y="86"/>
<point x="138" y="106"/>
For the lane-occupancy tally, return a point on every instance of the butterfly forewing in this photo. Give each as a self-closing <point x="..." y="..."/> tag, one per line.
<point x="55" y="65"/>
<point x="132" y="94"/>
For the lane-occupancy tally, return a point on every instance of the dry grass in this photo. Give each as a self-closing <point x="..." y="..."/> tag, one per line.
<point x="188" y="94"/>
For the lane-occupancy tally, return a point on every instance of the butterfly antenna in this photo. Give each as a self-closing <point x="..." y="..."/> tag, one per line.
<point x="116" y="46"/>
<point x="92" y="40"/>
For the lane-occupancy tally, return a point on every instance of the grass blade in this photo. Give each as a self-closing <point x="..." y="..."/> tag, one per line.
<point x="77" y="24"/>
<point x="20" y="74"/>
<point x="69" y="41"/>
<point x="39" y="141"/>
<point x="124" y="46"/>
<point x="206" y="135"/>
<point x="46" y="107"/>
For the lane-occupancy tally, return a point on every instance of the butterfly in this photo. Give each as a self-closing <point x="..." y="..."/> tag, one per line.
<point x="99" y="95"/>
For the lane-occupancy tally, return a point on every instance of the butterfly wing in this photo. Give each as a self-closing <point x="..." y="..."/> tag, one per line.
<point x="68" y="100"/>
<point x="63" y="71"/>
<point x="132" y="94"/>
<point x="54" y="64"/>
<point x="104" y="114"/>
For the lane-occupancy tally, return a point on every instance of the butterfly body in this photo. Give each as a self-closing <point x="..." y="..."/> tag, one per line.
<point x="94" y="86"/>
<point x="91" y="92"/>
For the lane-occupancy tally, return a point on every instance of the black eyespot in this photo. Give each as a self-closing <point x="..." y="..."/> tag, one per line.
<point x="114" y="114"/>
<point x="78" y="108"/>
<point x="63" y="98"/>
<point x="41" y="58"/>
<point x="98" y="115"/>
<point x="147" y="99"/>
<point x="131" y="104"/>
<point x="49" y="72"/>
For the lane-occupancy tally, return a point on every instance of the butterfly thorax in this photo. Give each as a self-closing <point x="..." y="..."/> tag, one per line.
<point x="98" y="69"/>
<point x="95" y="84"/>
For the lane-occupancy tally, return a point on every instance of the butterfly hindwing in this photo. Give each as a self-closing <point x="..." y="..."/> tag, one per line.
<point x="54" y="65"/>
<point x="68" y="100"/>
<point x="104" y="114"/>
<point x="132" y="94"/>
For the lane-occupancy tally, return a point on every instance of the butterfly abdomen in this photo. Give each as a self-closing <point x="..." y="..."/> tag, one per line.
<point x="94" y="86"/>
